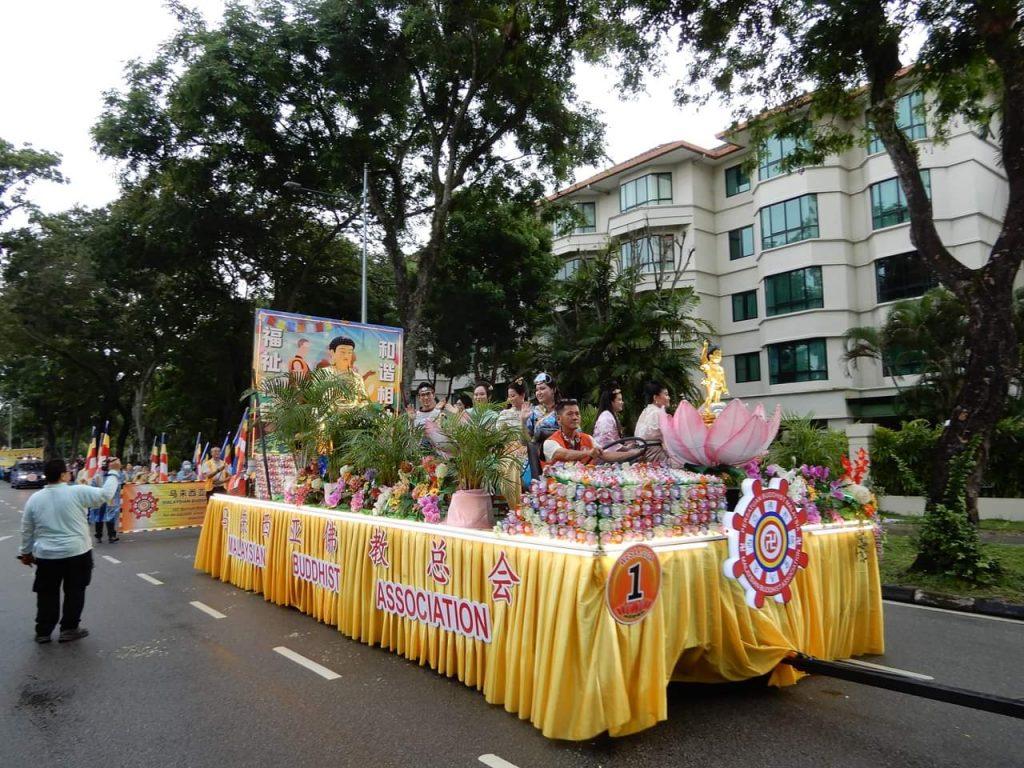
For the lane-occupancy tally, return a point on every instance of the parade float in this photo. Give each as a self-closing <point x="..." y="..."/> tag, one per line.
<point x="602" y="585"/>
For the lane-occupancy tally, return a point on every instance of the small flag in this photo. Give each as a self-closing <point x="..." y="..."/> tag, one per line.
<point x="163" y="459"/>
<point x="90" y="459"/>
<point x="200" y="473"/>
<point x="237" y="482"/>
<point x="197" y="451"/>
<point x="104" y="452"/>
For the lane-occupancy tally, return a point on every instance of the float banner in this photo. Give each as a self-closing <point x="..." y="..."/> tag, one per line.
<point x="146" y="507"/>
<point x="319" y="572"/>
<point x="449" y="612"/>
<point x="247" y="551"/>
<point x="371" y="354"/>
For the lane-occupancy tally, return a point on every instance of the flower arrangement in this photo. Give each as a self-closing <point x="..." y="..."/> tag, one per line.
<point x="307" y="488"/>
<point x="827" y="500"/>
<point x="419" y="492"/>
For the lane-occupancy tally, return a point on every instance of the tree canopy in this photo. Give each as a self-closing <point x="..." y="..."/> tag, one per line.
<point x="432" y="98"/>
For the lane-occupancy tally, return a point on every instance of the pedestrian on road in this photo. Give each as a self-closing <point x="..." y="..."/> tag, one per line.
<point x="55" y="537"/>
<point x="109" y="513"/>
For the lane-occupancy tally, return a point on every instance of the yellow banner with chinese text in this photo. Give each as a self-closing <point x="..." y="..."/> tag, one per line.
<point x="147" y="507"/>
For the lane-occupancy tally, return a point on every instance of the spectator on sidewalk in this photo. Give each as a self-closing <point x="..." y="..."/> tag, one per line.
<point x="55" y="538"/>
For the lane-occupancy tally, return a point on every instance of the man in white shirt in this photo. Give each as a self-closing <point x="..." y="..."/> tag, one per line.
<point x="55" y="537"/>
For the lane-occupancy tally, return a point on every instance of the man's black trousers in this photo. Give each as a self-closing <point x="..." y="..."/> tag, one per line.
<point x="71" y="573"/>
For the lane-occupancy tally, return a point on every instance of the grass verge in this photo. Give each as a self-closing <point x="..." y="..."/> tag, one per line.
<point x="1000" y="526"/>
<point x="1007" y="585"/>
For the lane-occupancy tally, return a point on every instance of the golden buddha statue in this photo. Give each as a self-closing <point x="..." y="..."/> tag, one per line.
<point x="713" y="382"/>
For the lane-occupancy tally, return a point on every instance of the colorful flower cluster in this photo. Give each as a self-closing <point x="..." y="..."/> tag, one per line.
<point x="307" y="488"/>
<point x="824" y="499"/>
<point x="418" y="494"/>
<point x="613" y="503"/>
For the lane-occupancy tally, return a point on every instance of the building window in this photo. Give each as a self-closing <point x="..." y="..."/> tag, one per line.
<point x="580" y="221"/>
<point x="910" y="118"/>
<point x="902" y="277"/>
<point x="793" y="291"/>
<point x="889" y="204"/>
<point x="653" y="189"/>
<point x="789" y="221"/>
<point x="744" y="306"/>
<point x="568" y="269"/>
<point x="648" y="254"/>
<point x="741" y="243"/>
<point x="736" y="181"/>
<point x="797" y="361"/>
<point x="773" y="152"/>
<point x="897" y="361"/>
<point x="748" y="367"/>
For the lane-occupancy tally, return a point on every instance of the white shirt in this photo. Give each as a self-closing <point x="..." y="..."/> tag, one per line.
<point x="55" y="523"/>
<point x="422" y="417"/>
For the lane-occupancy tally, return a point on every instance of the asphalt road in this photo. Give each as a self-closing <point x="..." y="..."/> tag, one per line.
<point x="160" y="682"/>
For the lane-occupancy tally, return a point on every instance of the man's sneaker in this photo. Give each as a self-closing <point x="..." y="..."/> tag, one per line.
<point x="114" y="538"/>
<point x="67" y="635"/>
<point x="99" y="539"/>
<point x="43" y="639"/>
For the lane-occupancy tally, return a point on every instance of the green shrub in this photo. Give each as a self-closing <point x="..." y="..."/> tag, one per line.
<point x="800" y="441"/>
<point x="948" y="542"/>
<point x="902" y="460"/>
<point x="1004" y="473"/>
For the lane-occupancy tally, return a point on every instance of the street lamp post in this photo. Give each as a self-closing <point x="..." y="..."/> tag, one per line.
<point x="296" y="187"/>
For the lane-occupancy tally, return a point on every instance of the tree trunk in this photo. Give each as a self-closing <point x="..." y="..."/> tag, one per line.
<point x="122" y="434"/>
<point x="138" y="407"/>
<point x="991" y="364"/>
<point x="50" y="450"/>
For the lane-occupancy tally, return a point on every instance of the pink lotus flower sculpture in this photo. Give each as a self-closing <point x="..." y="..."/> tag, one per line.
<point x="735" y="437"/>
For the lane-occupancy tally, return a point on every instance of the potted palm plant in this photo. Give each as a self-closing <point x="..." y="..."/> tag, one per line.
<point x="483" y="456"/>
<point x="301" y="414"/>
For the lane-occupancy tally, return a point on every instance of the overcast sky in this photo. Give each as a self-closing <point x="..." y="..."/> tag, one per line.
<point x="58" y="56"/>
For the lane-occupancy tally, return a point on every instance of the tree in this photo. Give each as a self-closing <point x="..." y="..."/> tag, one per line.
<point x="849" y="51"/>
<point x="19" y="168"/>
<point x="495" y="284"/>
<point x="432" y="97"/>
<point x="606" y="330"/>
<point x="926" y="337"/>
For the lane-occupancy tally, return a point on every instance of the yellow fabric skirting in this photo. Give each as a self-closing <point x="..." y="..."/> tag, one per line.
<point x="555" y="655"/>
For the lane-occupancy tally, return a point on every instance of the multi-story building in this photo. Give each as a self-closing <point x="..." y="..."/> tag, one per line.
<point x="785" y="263"/>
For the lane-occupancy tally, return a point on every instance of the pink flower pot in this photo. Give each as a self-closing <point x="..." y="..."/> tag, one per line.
<point x="470" y="509"/>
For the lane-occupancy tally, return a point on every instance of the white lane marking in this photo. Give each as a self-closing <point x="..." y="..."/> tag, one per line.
<point x="883" y="668"/>
<point x="4" y="538"/>
<point x="150" y="579"/>
<point x="965" y="614"/>
<point x="495" y="762"/>
<point x="309" y="664"/>
<point x="110" y="559"/>
<point x="208" y="610"/>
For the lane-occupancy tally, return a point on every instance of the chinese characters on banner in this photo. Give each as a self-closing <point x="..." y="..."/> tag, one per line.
<point x="371" y="355"/>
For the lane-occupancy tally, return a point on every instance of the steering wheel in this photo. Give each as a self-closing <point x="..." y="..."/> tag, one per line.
<point x="628" y="444"/>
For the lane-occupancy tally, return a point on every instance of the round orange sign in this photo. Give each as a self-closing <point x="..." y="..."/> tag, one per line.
<point x="633" y="584"/>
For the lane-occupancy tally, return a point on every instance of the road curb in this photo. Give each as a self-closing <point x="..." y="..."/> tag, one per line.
<point x="982" y="605"/>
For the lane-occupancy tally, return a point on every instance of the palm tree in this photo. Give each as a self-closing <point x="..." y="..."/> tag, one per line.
<point x="923" y="337"/>
<point x="605" y="330"/>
